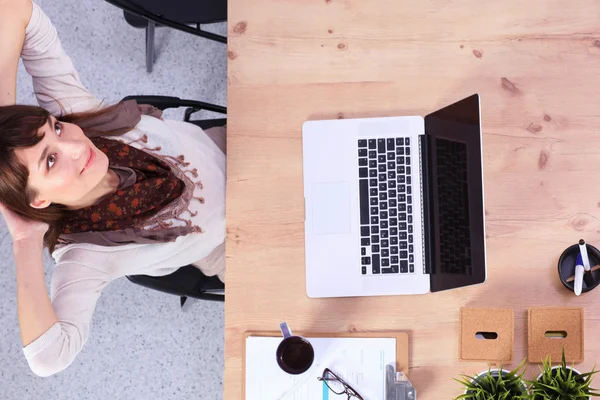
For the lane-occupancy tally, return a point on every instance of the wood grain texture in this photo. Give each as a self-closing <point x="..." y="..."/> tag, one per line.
<point x="536" y="66"/>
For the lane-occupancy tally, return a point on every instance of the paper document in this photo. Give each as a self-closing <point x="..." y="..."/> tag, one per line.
<point x="360" y="362"/>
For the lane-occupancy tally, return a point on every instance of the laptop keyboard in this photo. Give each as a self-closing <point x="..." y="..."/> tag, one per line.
<point x="453" y="194"/>
<point x="386" y="199"/>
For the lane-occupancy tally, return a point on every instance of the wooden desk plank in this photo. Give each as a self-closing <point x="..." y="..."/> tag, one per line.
<point x="535" y="65"/>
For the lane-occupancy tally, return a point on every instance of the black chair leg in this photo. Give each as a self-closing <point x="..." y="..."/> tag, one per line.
<point x="150" y="45"/>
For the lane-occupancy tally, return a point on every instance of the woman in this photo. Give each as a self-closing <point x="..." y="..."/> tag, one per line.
<point x="111" y="191"/>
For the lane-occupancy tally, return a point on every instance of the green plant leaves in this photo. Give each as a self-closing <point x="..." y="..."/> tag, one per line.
<point x="494" y="385"/>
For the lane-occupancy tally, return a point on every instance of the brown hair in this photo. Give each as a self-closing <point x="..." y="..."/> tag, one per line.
<point x="19" y="126"/>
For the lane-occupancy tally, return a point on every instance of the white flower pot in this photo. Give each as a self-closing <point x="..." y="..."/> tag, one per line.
<point x="558" y="366"/>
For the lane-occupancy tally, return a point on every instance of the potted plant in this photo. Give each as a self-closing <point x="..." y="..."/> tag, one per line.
<point x="562" y="382"/>
<point x="495" y="384"/>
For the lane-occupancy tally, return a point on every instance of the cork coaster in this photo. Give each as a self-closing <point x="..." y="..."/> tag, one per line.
<point x="551" y="329"/>
<point x="486" y="334"/>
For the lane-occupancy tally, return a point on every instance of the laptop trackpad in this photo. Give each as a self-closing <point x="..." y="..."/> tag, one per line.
<point x="331" y="207"/>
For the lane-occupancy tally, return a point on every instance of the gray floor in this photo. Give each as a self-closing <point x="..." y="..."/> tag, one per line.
<point x="141" y="345"/>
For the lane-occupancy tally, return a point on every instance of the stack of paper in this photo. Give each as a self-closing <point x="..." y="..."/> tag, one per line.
<point x="359" y="361"/>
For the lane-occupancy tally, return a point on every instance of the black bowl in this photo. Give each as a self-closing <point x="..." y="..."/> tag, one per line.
<point x="566" y="266"/>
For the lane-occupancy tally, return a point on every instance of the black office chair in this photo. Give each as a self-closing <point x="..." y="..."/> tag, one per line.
<point x="177" y="14"/>
<point x="188" y="281"/>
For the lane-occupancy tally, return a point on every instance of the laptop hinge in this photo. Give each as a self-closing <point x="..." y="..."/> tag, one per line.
<point x="427" y="230"/>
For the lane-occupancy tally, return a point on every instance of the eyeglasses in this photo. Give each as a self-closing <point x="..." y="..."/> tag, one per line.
<point x="337" y="385"/>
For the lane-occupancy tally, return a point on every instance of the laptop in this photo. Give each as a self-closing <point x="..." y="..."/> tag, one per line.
<point x="394" y="206"/>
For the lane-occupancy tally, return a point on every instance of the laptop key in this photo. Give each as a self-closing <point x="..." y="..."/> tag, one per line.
<point x="363" y="172"/>
<point x="407" y="141"/>
<point x="365" y="241"/>
<point x="401" y="207"/>
<point x="390" y="144"/>
<point x="383" y="215"/>
<point x="403" y="245"/>
<point x="374" y="219"/>
<point x="365" y="260"/>
<point x="394" y="260"/>
<point x="375" y="229"/>
<point x="407" y="151"/>
<point x="410" y="219"/>
<point x="410" y="238"/>
<point x="385" y="252"/>
<point x="411" y="268"/>
<point x="391" y="174"/>
<point x="390" y="156"/>
<point x="381" y="158"/>
<point x="402" y="235"/>
<point x="385" y="243"/>
<point x="372" y="144"/>
<point x="394" y="240"/>
<point x="392" y="184"/>
<point x="375" y="249"/>
<point x="365" y="231"/>
<point x="402" y="216"/>
<point x="373" y="173"/>
<point x="372" y="154"/>
<point x="374" y="201"/>
<point x="394" y="269"/>
<point x="403" y="266"/>
<point x="408" y="171"/>
<point x="362" y="152"/>
<point x="408" y="161"/>
<point x="363" y="162"/>
<point x="393" y="222"/>
<point x="393" y="192"/>
<point x="409" y="199"/>
<point x="411" y="259"/>
<point x="383" y="206"/>
<point x="381" y="168"/>
<point x="400" y="169"/>
<point x="408" y="179"/>
<point x="374" y="239"/>
<point x="362" y="143"/>
<point x="391" y="165"/>
<point x="384" y="234"/>
<point x="374" y="210"/>
<point x="400" y="151"/>
<point x="399" y="141"/>
<point x="401" y="178"/>
<point x="402" y="226"/>
<point x="383" y="196"/>
<point x="364" y="270"/>
<point x="393" y="211"/>
<point x="402" y="197"/>
<point x="383" y="225"/>
<point x="385" y="262"/>
<point x="382" y="186"/>
<point x="393" y="202"/>
<point x="363" y="251"/>
<point x="394" y="231"/>
<point x="373" y="164"/>
<point x="410" y="248"/>
<point x="400" y="160"/>
<point x="394" y="250"/>
<point x="388" y="271"/>
<point x="381" y="145"/>
<point x="364" y="201"/>
<point x="373" y="184"/>
<point x="375" y="263"/>
<point x="401" y="188"/>
<point x="382" y="178"/>
<point x="404" y="254"/>
<point x="410" y="229"/>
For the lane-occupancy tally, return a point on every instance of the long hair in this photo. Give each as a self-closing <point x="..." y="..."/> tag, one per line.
<point x="19" y="126"/>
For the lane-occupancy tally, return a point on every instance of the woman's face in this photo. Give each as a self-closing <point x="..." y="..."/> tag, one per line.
<point x="64" y="166"/>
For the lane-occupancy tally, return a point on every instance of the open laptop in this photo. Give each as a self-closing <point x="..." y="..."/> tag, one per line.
<point x="394" y="205"/>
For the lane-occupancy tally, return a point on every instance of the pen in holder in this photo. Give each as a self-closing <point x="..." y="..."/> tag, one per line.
<point x="567" y="264"/>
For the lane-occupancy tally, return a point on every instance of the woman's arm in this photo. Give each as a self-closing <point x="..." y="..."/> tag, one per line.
<point x="55" y="81"/>
<point x="13" y="21"/>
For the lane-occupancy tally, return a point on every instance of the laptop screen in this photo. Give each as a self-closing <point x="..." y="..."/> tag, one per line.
<point x="455" y="248"/>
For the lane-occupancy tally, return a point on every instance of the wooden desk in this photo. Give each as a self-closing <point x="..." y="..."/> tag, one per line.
<point x="536" y="65"/>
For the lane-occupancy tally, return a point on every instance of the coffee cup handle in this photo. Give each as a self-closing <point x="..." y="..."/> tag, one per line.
<point x="285" y="330"/>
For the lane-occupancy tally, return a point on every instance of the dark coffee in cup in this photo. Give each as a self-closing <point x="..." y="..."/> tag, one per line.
<point x="295" y="355"/>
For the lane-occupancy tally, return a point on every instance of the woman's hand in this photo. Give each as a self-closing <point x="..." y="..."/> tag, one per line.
<point x="23" y="229"/>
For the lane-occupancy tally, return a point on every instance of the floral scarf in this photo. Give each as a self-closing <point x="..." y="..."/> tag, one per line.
<point x="156" y="186"/>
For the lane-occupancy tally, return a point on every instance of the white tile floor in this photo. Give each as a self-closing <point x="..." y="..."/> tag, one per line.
<point x="141" y="345"/>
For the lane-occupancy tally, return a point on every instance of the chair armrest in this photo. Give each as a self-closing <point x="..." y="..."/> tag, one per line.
<point x="164" y="102"/>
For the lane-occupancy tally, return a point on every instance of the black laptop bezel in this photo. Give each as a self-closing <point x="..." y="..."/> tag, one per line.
<point x="457" y="122"/>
